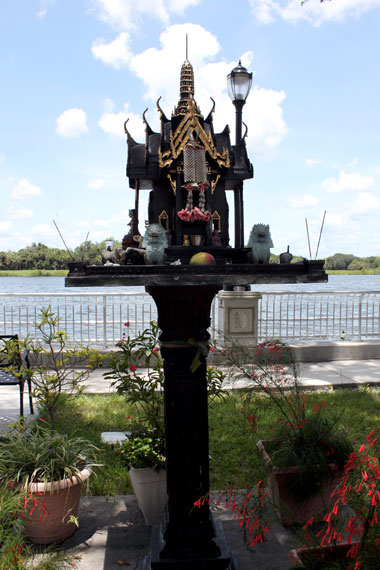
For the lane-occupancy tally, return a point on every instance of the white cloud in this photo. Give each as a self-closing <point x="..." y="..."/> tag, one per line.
<point x="72" y="123"/>
<point x="313" y="11"/>
<point x="44" y="4"/>
<point x="99" y="223"/>
<point x="348" y="181"/>
<point x="116" y="53"/>
<point x="127" y="14"/>
<point x="113" y="123"/>
<point x="312" y="161"/>
<point x="24" y="189"/>
<point x="264" y="115"/>
<point x="95" y="184"/>
<point x="43" y="230"/>
<point x="22" y="213"/>
<point x="365" y="203"/>
<point x="122" y="217"/>
<point x="302" y="201"/>
<point x="5" y="227"/>
<point x="2" y="158"/>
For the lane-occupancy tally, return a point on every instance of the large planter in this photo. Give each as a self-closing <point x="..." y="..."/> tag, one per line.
<point x="319" y="556"/>
<point x="150" y="490"/>
<point x="49" y="521"/>
<point x="290" y="511"/>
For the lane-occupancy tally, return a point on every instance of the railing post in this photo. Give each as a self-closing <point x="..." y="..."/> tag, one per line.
<point x="360" y="317"/>
<point x="105" y="320"/>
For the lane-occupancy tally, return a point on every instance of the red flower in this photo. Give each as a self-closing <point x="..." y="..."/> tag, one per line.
<point x="133" y="367"/>
<point x="202" y="216"/>
<point x="186" y="215"/>
<point x="126" y="324"/>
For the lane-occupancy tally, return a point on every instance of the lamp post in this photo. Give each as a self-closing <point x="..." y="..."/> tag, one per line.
<point x="239" y="85"/>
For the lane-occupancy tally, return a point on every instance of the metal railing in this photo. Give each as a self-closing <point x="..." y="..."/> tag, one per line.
<point x="99" y="318"/>
<point x="88" y="318"/>
<point x="339" y="315"/>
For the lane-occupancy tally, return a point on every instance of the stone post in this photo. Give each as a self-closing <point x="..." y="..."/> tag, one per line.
<point x="238" y="318"/>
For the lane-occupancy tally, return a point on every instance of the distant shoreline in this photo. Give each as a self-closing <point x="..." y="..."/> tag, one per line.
<point x="64" y="272"/>
<point x="34" y="273"/>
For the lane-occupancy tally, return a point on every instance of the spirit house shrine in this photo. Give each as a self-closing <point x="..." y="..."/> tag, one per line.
<point x="188" y="168"/>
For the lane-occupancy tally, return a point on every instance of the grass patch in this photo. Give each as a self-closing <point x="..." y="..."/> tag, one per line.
<point x="234" y="459"/>
<point x="34" y="273"/>
<point x="353" y="272"/>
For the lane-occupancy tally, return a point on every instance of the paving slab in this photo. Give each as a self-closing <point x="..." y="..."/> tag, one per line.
<point x="112" y="534"/>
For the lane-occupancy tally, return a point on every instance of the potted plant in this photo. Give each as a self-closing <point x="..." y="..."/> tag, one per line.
<point x="56" y="367"/>
<point x="48" y="469"/>
<point x="351" y="536"/>
<point x="144" y="454"/>
<point x="302" y="459"/>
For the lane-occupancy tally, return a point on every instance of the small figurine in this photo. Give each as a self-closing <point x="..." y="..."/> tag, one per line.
<point x="109" y="257"/>
<point x="155" y="241"/>
<point x="260" y="242"/>
<point x="215" y="240"/>
<point x="186" y="241"/>
<point x="286" y="257"/>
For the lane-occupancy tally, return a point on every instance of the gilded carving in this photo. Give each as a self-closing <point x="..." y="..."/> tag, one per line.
<point x="189" y="125"/>
<point x="172" y="184"/>
<point x="163" y="219"/>
<point x="214" y="183"/>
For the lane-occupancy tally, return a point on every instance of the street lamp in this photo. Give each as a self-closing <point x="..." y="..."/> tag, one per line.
<point x="239" y="83"/>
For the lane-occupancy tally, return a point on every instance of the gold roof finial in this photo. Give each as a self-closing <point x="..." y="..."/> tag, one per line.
<point x="186" y="87"/>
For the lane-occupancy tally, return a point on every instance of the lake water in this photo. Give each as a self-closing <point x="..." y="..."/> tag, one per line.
<point x="10" y="285"/>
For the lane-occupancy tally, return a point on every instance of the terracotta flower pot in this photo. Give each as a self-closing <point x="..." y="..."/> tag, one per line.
<point x="49" y="520"/>
<point x="291" y="511"/>
<point x="150" y="490"/>
<point x="319" y="554"/>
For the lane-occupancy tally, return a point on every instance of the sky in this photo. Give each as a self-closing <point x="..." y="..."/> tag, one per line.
<point x="72" y="71"/>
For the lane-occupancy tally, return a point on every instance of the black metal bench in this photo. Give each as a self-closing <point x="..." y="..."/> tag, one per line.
<point x="10" y="355"/>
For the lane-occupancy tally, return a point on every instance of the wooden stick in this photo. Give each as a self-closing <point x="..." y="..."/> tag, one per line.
<point x="320" y="233"/>
<point x="308" y="238"/>
<point x="64" y="243"/>
<point x="84" y="245"/>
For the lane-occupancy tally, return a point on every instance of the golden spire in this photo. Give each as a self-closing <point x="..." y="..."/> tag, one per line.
<point x="186" y="87"/>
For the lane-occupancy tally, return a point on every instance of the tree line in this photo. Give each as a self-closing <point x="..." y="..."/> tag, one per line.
<point x="40" y="256"/>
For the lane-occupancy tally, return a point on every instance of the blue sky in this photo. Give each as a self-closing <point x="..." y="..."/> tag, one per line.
<point x="72" y="71"/>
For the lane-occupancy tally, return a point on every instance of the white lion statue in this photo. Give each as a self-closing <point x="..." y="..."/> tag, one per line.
<point x="260" y="242"/>
<point x="154" y="242"/>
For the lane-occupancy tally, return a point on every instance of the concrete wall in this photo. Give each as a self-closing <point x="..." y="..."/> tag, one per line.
<point x="325" y="351"/>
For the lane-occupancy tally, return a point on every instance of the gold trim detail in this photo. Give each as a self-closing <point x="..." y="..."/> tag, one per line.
<point x="163" y="217"/>
<point x="172" y="184"/>
<point x="190" y="125"/>
<point x="163" y="158"/>
<point x="214" y="183"/>
<point x="216" y="217"/>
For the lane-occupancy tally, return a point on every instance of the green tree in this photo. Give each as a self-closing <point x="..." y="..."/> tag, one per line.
<point x="339" y="261"/>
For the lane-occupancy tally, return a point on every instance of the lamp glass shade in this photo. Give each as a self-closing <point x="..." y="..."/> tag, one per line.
<point x="239" y="83"/>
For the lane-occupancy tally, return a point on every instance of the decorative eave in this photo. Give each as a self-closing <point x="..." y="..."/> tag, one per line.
<point x="189" y="124"/>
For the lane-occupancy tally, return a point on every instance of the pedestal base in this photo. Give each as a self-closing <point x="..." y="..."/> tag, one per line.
<point x="226" y="560"/>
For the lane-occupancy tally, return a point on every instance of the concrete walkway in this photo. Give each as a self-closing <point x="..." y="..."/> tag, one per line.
<point x="112" y="532"/>
<point x="313" y="375"/>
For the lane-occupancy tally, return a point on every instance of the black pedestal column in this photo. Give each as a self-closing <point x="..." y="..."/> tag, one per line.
<point x="188" y="538"/>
